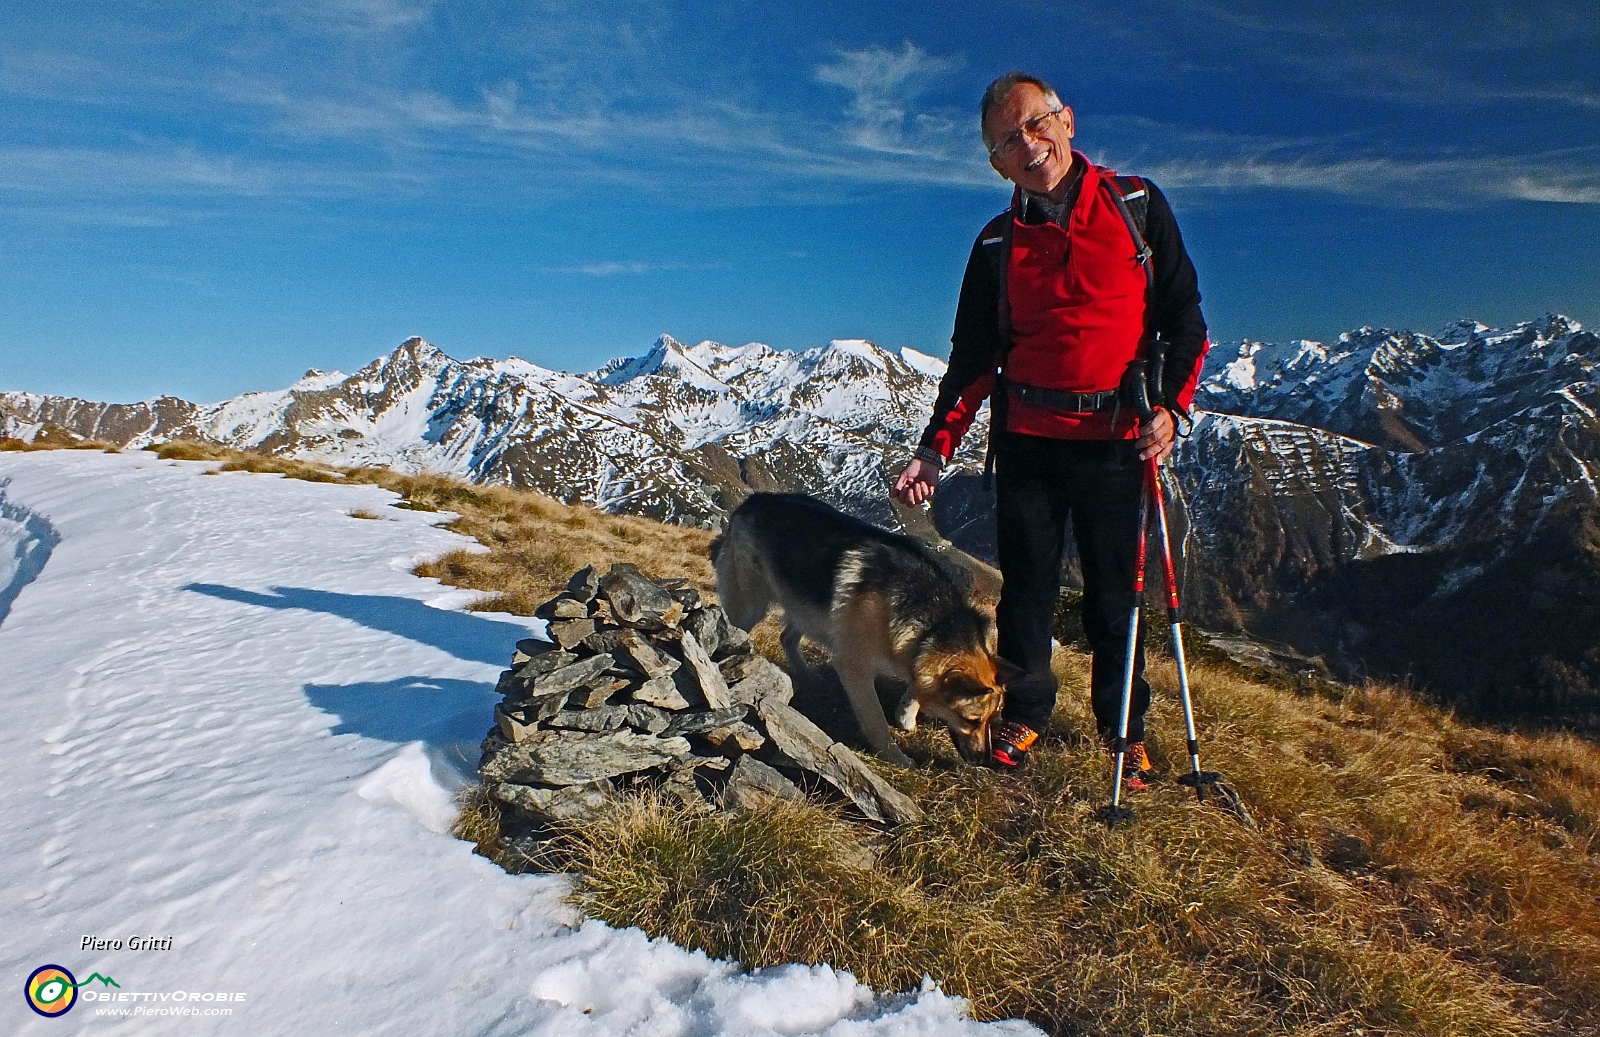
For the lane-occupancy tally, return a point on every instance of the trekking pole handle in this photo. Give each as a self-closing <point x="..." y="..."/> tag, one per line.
<point x="1136" y="389"/>
<point x="1157" y="353"/>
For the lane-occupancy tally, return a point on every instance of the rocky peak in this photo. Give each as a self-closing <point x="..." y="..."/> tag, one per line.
<point x="1399" y="389"/>
<point x="668" y="358"/>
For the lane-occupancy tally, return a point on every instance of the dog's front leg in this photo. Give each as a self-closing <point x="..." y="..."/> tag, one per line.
<point x="857" y="681"/>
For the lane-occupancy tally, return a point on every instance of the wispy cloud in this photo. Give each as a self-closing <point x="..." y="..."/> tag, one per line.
<point x="883" y="85"/>
<point x="548" y="101"/>
<point x="612" y="269"/>
<point x="357" y="17"/>
<point x="1397" y="182"/>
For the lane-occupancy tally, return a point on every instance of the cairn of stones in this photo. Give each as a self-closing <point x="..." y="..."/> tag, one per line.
<point x="642" y="685"/>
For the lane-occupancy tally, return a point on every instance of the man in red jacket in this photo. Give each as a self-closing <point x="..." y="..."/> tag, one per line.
<point x="1057" y="301"/>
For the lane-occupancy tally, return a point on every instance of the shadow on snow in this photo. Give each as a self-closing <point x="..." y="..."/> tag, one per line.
<point x="447" y="715"/>
<point x="32" y="538"/>
<point x="464" y="635"/>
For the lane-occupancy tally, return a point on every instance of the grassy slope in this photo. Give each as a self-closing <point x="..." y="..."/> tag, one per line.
<point x="1411" y="873"/>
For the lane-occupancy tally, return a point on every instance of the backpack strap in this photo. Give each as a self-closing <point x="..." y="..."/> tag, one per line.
<point x="1133" y="202"/>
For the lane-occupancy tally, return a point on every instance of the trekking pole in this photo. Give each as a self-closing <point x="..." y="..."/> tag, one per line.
<point x="1116" y="813"/>
<point x="1198" y="779"/>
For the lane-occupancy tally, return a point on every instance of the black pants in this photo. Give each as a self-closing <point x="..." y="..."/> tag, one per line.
<point x="1039" y="484"/>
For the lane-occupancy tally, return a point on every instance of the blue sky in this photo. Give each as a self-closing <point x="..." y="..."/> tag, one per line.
<point x="207" y="198"/>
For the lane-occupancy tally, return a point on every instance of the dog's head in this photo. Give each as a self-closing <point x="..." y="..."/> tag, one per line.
<point x="964" y="691"/>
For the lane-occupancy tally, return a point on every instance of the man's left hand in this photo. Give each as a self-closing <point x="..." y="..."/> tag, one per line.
<point x="1156" y="437"/>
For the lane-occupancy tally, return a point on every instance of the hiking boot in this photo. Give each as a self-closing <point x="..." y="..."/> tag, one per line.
<point x="1137" y="770"/>
<point x="1009" y="743"/>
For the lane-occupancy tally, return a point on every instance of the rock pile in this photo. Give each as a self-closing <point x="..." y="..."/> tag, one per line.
<point x="643" y="685"/>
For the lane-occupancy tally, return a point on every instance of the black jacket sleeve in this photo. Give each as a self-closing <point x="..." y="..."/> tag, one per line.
<point x="1175" y="305"/>
<point x="975" y="342"/>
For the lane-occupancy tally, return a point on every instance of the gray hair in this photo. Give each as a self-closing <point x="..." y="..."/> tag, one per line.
<point x="1001" y="89"/>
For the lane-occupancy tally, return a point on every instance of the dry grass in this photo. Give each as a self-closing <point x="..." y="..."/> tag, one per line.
<point x="1411" y="874"/>
<point x="49" y="439"/>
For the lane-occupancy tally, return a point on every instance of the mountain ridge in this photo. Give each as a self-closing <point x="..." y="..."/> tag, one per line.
<point x="1327" y="483"/>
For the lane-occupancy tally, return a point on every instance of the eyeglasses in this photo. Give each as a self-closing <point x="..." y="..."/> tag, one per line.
<point x="1008" y="144"/>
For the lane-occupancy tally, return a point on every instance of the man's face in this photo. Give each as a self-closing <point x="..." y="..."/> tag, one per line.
<point x="1032" y="152"/>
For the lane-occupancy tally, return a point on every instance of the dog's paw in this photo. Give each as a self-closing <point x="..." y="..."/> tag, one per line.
<point x="894" y="755"/>
<point x="905" y="718"/>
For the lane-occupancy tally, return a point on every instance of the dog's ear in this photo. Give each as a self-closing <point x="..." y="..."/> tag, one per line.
<point x="1006" y="671"/>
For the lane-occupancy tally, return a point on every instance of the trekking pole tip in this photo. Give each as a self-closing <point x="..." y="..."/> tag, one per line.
<point x="1112" y="816"/>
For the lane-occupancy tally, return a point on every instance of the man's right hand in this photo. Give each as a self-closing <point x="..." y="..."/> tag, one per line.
<point x="916" y="484"/>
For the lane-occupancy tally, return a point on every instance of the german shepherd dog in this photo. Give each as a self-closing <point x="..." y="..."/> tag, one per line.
<point x="880" y="602"/>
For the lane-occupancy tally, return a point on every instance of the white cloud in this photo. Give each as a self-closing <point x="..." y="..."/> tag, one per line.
<point x="883" y="85"/>
<point x="1535" y="190"/>
<point x="572" y="99"/>
<point x="358" y="17"/>
<point x="1400" y="182"/>
<point x="613" y="268"/>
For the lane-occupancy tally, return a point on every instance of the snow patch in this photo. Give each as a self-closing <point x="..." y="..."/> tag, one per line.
<point x="922" y="363"/>
<point x="315" y="381"/>
<point x="407" y="780"/>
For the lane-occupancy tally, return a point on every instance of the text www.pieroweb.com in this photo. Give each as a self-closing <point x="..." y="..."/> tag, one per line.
<point x="172" y="1004"/>
<point x="163" y="1010"/>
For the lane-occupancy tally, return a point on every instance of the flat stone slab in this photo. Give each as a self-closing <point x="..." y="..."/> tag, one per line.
<point x="898" y="807"/>
<point x="563" y="606"/>
<point x="712" y="687"/>
<point x="635" y="598"/>
<point x="594" y="694"/>
<point x="682" y="789"/>
<point x="760" y="680"/>
<point x="645" y="717"/>
<point x="810" y="747"/>
<point x="518" y="720"/>
<point x="737" y="735"/>
<point x="634" y="652"/>
<point x="554" y="804"/>
<point x="705" y="720"/>
<point x="602" y="718"/>
<point x="584" y="583"/>
<point x="711" y="628"/>
<point x="551" y="659"/>
<point x="568" y="632"/>
<point x="576" y="758"/>
<point x="661" y="692"/>
<point x="755" y="786"/>
<point x="572" y="676"/>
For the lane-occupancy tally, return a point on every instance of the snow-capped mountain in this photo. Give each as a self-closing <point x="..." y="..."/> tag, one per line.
<point x="667" y="434"/>
<point x="1410" y="505"/>
<point x="1394" y="502"/>
<point x="1402" y="390"/>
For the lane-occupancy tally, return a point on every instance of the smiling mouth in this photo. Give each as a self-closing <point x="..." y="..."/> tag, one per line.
<point x="1036" y="163"/>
